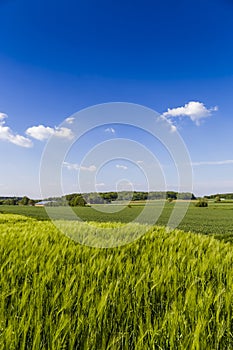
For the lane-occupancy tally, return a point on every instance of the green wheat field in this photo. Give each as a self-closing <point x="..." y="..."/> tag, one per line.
<point x="166" y="290"/>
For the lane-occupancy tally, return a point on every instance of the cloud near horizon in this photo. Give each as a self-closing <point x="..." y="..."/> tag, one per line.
<point x="194" y="110"/>
<point x="75" y="166"/>
<point x="6" y="134"/>
<point x="217" y="162"/>
<point x="42" y="132"/>
<point x="121" y="167"/>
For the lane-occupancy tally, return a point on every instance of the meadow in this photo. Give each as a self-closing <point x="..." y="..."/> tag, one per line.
<point x="166" y="290"/>
<point x="216" y="219"/>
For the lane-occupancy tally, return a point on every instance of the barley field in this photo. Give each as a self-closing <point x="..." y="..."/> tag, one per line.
<point x="166" y="290"/>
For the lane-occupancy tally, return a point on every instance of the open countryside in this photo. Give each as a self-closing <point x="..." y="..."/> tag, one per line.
<point x="116" y="181"/>
<point x="215" y="219"/>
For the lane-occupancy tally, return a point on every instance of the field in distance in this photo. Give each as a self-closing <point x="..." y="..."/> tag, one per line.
<point x="216" y="219"/>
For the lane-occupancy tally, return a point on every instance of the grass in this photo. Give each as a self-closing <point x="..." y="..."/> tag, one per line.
<point x="217" y="218"/>
<point x="164" y="291"/>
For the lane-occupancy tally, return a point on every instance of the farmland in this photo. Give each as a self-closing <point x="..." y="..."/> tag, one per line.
<point x="216" y="219"/>
<point x="167" y="290"/>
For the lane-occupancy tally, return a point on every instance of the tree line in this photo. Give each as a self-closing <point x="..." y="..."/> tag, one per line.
<point x="17" y="201"/>
<point x="78" y="199"/>
<point x="220" y="195"/>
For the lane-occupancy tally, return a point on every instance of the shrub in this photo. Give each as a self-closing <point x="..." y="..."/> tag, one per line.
<point x="202" y="202"/>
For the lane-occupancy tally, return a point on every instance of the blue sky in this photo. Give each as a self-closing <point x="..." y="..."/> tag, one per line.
<point x="57" y="58"/>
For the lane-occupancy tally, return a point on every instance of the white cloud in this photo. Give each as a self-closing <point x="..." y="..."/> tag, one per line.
<point x="89" y="168"/>
<point x="39" y="132"/>
<point x="217" y="162"/>
<point x="170" y="124"/>
<point x="42" y="132"/>
<point x="194" y="110"/>
<point x="3" y="116"/>
<point x="71" y="166"/>
<point x="101" y="184"/>
<point x="70" y="120"/>
<point x="75" y="166"/>
<point x="6" y="134"/>
<point x="139" y="162"/>
<point x="110" y="130"/>
<point x="173" y="128"/>
<point x="63" y="133"/>
<point x="121" y="167"/>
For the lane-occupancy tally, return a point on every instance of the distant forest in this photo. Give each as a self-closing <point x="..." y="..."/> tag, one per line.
<point x="221" y="195"/>
<point x="78" y="199"/>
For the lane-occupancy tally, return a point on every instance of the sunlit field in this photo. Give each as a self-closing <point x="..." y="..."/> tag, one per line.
<point x="167" y="290"/>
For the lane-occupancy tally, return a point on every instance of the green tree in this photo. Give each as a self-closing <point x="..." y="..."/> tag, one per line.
<point x="171" y="194"/>
<point x="24" y="201"/>
<point x="78" y="201"/>
<point x="9" y="201"/>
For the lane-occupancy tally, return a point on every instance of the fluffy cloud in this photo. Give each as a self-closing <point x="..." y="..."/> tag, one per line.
<point x="6" y="134"/>
<point x="63" y="133"/>
<point x="74" y="166"/>
<point x="42" y="132"/>
<point x="194" y="110"/>
<point x="121" y="167"/>
<point x="39" y="132"/>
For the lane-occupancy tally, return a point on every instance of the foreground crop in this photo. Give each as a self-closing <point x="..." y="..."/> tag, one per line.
<point x="164" y="291"/>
